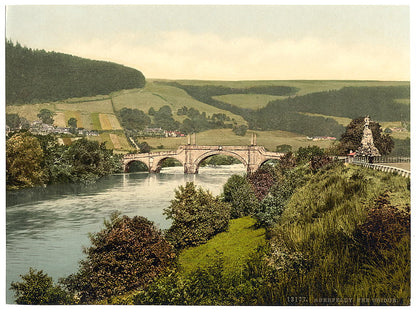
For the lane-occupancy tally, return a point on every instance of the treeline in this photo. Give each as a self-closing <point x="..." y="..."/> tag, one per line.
<point x="37" y="160"/>
<point x="207" y="92"/>
<point x="378" y="102"/>
<point x="134" y="120"/>
<point x="36" y="75"/>
<point x="288" y="114"/>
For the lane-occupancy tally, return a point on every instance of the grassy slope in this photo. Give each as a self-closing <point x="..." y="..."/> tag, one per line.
<point x="234" y="245"/>
<point x="86" y="110"/>
<point x="319" y="225"/>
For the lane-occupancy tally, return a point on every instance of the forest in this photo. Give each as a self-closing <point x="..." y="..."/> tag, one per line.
<point x="34" y="76"/>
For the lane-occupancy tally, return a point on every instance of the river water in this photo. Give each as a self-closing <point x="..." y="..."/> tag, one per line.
<point x="46" y="228"/>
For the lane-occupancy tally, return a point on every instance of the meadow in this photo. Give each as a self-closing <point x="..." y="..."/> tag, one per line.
<point x="100" y="112"/>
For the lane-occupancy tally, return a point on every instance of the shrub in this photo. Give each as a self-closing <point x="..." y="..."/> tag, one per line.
<point x="262" y="180"/>
<point x="197" y="216"/>
<point x="38" y="288"/>
<point x="127" y="254"/>
<point x="239" y="193"/>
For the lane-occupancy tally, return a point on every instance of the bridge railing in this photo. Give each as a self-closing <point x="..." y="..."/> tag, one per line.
<point x="383" y="168"/>
<point x="385" y="159"/>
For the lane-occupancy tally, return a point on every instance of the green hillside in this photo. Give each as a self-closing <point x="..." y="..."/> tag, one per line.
<point x="36" y="75"/>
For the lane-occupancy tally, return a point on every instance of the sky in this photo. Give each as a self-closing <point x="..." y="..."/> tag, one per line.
<point x="226" y="42"/>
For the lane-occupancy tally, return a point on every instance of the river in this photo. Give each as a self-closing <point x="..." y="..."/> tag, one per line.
<point x="46" y="228"/>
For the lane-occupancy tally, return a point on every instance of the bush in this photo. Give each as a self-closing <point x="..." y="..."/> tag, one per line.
<point x="197" y="216"/>
<point x="38" y="288"/>
<point x="126" y="255"/>
<point x="239" y="193"/>
<point x="262" y="180"/>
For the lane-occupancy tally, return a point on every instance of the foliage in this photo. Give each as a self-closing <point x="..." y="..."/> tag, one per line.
<point x="38" y="288"/>
<point x="72" y="122"/>
<point x="385" y="225"/>
<point x="239" y="193"/>
<point x="133" y="119"/>
<point x="219" y="159"/>
<point x="24" y="157"/>
<point x="46" y="116"/>
<point x="351" y="139"/>
<point x="320" y="161"/>
<point x="305" y="154"/>
<point x="35" y="160"/>
<point x="262" y="180"/>
<point x="283" y="148"/>
<point x="144" y="147"/>
<point x="287" y="162"/>
<point x="13" y="121"/>
<point x="164" y="119"/>
<point x="36" y="75"/>
<point x="196" y="216"/>
<point x="240" y="130"/>
<point x="401" y="147"/>
<point x="127" y="254"/>
<point x="317" y="250"/>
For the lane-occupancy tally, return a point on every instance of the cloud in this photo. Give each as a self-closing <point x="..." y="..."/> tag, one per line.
<point x="182" y="55"/>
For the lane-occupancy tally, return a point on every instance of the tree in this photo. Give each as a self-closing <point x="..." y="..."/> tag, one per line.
<point x="72" y="122"/>
<point x="197" y="216"/>
<point x="305" y="154"/>
<point x="13" y="120"/>
<point x="24" y="157"/>
<point x="262" y="180"/>
<point x="38" y="288"/>
<point x="351" y="139"/>
<point x="124" y="256"/>
<point x="240" y="194"/>
<point x="283" y="148"/>
<point x="46" y="116"/>
<point x="134" y="119"/>
<point x="144" y="147"/>
<point x="240" y="130"/>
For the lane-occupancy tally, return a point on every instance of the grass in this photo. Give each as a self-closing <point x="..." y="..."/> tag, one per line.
<point x="318" y="229"/>
<point x="248" y="101"/>
<point x="235" y="246"/>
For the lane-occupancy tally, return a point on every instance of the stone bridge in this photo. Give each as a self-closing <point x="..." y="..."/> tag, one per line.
<point x="191" y="156"/>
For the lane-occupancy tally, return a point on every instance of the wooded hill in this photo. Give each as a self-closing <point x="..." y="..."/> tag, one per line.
<point x="34" y="76"/>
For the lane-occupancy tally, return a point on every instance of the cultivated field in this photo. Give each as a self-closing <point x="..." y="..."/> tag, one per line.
<point x="99" y="113"/>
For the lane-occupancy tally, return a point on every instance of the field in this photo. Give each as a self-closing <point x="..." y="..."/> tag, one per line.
<point x="268" y="139"/>
<point x="99" y="113"/>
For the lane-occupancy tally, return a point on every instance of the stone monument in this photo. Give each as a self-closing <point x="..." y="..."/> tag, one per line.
<point x="367" y="148"/>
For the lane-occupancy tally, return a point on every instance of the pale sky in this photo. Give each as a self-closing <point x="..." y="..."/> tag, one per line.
<point x="231" y="42"/>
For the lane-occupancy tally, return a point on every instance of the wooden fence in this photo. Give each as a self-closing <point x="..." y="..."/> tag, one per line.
<point x="384" y="168"/>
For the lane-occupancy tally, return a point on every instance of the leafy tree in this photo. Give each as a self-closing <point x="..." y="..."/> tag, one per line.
<point x="46" y="116"/>
<point x="283" y="148"/>
<point x="287" y="162"/>
<point x="240" y="194"/>
<point x="38" y="288"/>
<point x="13" y="120"/>
<point x="24" y="157"/>
<point x="351" y="139"/>
<point x="196" y="216"/>
<point x="134" y="119"/>
<point x="72" y="122"/>
<point x="124" y="256"/>
<point x="144" y="147"/>
<point x="305" y="154"/>
<point x="262" y="180"/>
<point x="240" y="130"/>
<point x="388" y="131"/>
<point x="151" y="111"/>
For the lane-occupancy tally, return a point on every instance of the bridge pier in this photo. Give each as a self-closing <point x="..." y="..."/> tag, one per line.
<point x="190" y="168"/>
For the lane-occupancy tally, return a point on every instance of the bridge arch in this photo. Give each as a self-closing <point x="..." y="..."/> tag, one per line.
<point x="128" y="165"/>
<point x="157" y="166"/>
<point x="208" y="154"/>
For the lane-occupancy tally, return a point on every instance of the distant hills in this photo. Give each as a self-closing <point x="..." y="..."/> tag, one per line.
<point x="34" y="76"/>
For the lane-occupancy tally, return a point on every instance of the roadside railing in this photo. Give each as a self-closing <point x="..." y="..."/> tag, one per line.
<point x="383" y="168"/>
<point x="385" y="159"/>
